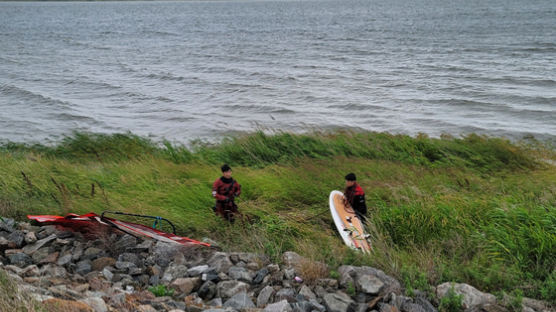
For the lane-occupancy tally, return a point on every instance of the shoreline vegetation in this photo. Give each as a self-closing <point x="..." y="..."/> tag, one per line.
<point x="475" y="210"/>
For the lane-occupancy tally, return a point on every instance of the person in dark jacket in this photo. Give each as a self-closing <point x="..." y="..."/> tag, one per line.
<point x="355" y="197"/>
<point x="225" y="189"/>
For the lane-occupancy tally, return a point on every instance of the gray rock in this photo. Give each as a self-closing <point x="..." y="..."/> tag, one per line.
<point x="118" y="300"/>
<point x="96" y="303"/>
<point x="272" y="268"/>
<point x="289" y="273"/>
<point x="210" y="276"/>
<point x="306" y="292"/>
<point x="349" y="274"/>
<point x="108" y="275"/>
<point x="320" y="291"/>
<point x="146" y="308"/>
<point x="290" y="258"/>
<point x="471" y="296"/>
<point x="220" y="262"/>
<point x="15" y="269"/>
<point x="83" y="267"/>
<point x="154" y="280"/>
<point x="425" y="304"/>
<point x="207" y="291"/>
<point x="360" y="307"/>
<point x="4" y="243"/>
<point x="412" y="307"/>
<point x="16" y="239"/>
<point x="264" y="296"/>
<point x="54" y="271"/>
<point x="20" y="259"/>
<point x="7" y="224"/>
<point x="40" y="254"/>
<point x="144" y="246"/>
<point x="65" y="259"/>
<point x="302" y="306"/>
<point x="281" y="306"/>
<point x="239" y="301"/>
<point x="216" y="302"/>
<point x="286" y="294"/>
<point x="260" y="275"/>
<point x="228" y="289"/>
<point x="369" y="284"/>
<point x="30" y="238"/>
<point x="328" y="282"/>
<point x="92" y="253"/>
<point x="317" y="306"/>
<point x="384" y="307"/>
<point x="240" y="274"/>
<point x="174" y="271"/>
<point x="77" y="252"/>
<point x="337" y="302"/>
<point x="186" y="285"/>
<point x="126" y="241"/>
<point x="198" y="270"/>
<point x="31" y="270"/>
<point x="130" y="257"/>
<point x="135" y="271"/>
<point x="124" y="266"/>
<point x="534" y="304"/>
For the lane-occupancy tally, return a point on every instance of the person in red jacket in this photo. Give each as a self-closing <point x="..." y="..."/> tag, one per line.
<point x="355" y="197"/>
<point x="225" y="189"/>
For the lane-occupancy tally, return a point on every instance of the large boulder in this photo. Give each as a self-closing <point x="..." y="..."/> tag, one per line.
<point x="472" y="297"/>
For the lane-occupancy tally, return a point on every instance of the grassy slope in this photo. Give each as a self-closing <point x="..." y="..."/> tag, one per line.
<point x="473" y="210"/>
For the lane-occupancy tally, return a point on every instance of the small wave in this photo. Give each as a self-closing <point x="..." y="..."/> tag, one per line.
<point x="32" y="97"/>
<point x="179" y="119"/>
<point x="92" y="84"/>
<point x="74" y="117"/>
<point x="257" y="109"/>
<point x="159" y="33"/>
<point x="7" y="60"/>
<point x="526" y="81"/>
<point x="169" y="77"/>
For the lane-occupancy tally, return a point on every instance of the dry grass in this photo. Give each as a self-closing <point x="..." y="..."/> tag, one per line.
<point x="12" y="299"/>
<point x="311" y="271"/>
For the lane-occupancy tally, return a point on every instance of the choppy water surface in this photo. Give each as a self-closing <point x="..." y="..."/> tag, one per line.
<point x="186" y="70"/>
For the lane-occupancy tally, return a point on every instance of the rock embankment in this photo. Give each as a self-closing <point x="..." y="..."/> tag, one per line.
<point x="112" y="271"/>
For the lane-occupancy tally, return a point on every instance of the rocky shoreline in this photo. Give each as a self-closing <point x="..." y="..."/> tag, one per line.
<point x="108" y="270"/>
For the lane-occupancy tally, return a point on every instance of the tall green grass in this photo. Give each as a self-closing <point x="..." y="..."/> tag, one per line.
<point x="474" y="209"/>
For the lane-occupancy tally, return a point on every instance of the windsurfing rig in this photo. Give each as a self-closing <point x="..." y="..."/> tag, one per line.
<point x="136" y="229"/>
